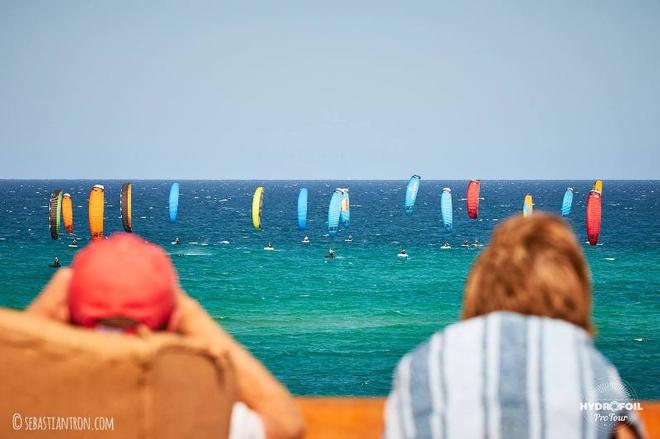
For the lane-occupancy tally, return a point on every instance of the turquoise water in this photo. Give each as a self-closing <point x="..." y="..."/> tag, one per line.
<point x="338" y="327"/>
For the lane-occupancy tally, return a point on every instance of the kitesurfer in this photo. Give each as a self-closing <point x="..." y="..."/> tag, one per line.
<point x="475" y="243"/>
<point x="472" y="199"/>
<point x="403" y="253"/>
<point x="465" y="243"/>
<point x="445" y="245"/>
<point x="176" y="241"/>
<point x="269" y="246"/>
<point x="56" y="263"/>
<point x="331" y="254"/>
<point x="174" y="202"/>
<point x="305" y="240"/>
<point x="350" y="238"/>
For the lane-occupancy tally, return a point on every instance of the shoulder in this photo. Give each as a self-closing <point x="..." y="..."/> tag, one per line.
<point x="420" y="357"/>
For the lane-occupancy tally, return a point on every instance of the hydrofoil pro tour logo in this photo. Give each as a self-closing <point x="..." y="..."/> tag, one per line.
<point x="612" y="403"/>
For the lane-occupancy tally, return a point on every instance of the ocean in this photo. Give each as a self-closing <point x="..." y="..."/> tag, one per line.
<point x="338" y="327"/>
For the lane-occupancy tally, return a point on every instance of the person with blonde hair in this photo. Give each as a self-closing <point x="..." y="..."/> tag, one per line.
<point x="521" y="362"/>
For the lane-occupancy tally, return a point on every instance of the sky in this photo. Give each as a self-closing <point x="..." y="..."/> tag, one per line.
<point x="330" y="90"/>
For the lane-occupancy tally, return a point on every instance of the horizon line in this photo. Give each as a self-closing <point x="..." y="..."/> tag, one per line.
<point x="326" y="179"/>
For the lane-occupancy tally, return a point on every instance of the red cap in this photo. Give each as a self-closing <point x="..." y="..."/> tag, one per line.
<point x="122" y="277"/>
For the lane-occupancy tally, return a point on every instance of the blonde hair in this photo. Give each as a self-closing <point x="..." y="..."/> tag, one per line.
<point x="532" y="266"/>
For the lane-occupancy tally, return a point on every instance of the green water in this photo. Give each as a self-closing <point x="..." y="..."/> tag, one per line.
<point x="339" y="326"/>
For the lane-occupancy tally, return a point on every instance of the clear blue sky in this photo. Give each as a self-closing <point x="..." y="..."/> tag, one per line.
<point x="489" y="89"/>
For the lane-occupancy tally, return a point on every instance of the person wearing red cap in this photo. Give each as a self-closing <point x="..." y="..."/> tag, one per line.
<point x="122" y="282"/>
<point x="126" y="284"/>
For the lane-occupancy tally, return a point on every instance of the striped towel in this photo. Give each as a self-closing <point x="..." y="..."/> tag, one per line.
<point x="506" y="375"/>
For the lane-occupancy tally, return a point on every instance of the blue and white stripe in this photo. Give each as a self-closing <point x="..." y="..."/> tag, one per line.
<point x="500" y="376"/>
